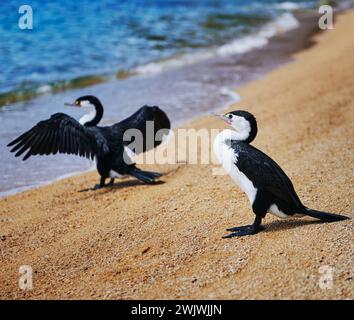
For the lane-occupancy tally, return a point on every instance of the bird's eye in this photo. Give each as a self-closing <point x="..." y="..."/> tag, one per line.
<point x="77" y="102"/>
<point x="229" y="116"/>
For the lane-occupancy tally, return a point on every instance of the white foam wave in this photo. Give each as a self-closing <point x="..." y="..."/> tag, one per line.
<point x="183" y="60"/>
<point x="44" y="89"/>
<point x="236" y="98"/>
<point x="287" y="5"/>
<point x="283" y="23"/>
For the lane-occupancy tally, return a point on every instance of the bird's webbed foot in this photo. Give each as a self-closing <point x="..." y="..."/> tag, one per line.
<point x="243" y="231"/>
<point x="100" y="185"/>
<point x="110" y="183"/>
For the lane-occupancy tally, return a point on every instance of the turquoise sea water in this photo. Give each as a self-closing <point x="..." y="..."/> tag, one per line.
<point x="185" y="56"/>
<point x="84" y="38"/>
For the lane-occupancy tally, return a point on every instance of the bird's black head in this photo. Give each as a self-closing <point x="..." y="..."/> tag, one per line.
<point x="243" y="122"/>
<point x="85" y="100"/>
<point x="92" y="106"/>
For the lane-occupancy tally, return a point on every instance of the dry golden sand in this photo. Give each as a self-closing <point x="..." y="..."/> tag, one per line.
<point x="164" y="241"/>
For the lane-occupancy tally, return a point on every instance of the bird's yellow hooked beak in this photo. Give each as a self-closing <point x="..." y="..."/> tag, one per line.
<point x="222" y="117"/>
<point x="75" y="104"/>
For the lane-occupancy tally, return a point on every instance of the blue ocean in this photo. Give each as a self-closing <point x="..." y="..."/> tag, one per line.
<point x="74" y="39"/>
<point x="185" y="56"/>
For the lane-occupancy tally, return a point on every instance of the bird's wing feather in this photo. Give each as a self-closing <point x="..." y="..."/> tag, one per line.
<point x="138" y="120"/>
<point x="265" y="173"/>
<point x="60" y="133"/>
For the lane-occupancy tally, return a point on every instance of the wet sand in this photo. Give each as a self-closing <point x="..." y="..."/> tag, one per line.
<point x="164" y="241"/>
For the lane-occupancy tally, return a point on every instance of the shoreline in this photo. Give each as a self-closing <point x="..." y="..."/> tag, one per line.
<point x="153" y="67"/>
<point x="83" y="81"/>
<point x="212" y="79"/>
<point x="135" y="241"/>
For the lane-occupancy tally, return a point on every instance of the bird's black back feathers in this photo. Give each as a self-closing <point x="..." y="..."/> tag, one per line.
<point x="60" y="133"/>
<point x="138" y="120"/>
<point x="266" y="175"/>
<point x="63" y="134"/>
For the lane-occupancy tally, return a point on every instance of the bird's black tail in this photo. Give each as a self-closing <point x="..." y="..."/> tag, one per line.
<point x="325" y="216"/>
<point x="145" y="176"/>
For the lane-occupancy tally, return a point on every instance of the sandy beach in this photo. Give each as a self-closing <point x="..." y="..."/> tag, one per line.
<point x="163" y="241"/>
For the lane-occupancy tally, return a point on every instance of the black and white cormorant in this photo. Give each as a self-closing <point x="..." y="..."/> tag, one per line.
<point x="267" y="186"/>
<point x="63" y="134"/>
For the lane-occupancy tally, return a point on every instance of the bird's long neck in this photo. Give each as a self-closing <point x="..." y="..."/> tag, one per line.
<point x="222" y="148"/>
<point x="227" y="135"/>
<point x="94" y="115"/>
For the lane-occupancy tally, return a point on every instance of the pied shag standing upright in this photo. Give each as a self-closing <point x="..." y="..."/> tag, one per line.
<point x="63" y="134"/>
<point x="267" y="186"/>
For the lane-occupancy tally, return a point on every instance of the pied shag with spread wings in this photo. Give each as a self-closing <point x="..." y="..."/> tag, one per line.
<point x="267" y="186"/>
<point x="63" y="134"/>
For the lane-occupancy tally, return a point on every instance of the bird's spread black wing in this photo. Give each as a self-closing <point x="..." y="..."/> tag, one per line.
<point x="265" y="173"/>
<point x="60" y="134"/>
<point x="144" y="119"/>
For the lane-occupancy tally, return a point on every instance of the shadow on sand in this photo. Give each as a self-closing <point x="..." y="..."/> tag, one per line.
<point x="288" y="224"/>
<point x="123" y="184"/>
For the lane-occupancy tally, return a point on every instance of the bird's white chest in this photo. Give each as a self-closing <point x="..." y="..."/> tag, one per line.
<point x="228" y="158"/>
